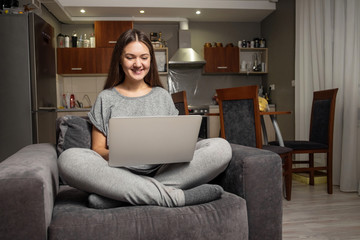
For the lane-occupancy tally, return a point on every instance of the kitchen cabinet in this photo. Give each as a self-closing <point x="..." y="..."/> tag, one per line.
<point x="103" y="59"/>
<point x="108" y="32"/>
<point x="93" y="60"/>
<point x="76" y="60"/>
<point x="73" y="112"/>
<point x="221" y="59"/>
<point x="247" y="59"/>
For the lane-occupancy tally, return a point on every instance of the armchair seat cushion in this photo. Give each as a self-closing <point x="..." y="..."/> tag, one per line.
<point x="225" y="218"/>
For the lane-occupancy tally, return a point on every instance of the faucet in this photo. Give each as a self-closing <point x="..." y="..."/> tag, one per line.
<point x="86" y="97"/>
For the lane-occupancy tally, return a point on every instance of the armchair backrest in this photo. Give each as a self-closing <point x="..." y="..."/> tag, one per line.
<point x="240" y="116"/>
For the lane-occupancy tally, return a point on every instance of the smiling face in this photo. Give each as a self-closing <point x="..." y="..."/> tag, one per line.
<point x="136" y="61"/>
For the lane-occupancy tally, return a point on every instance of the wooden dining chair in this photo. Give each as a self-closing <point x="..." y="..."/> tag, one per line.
<point x="320" y="137"/>
<point x="180" y="102"/>
<point x="240" y="124"/>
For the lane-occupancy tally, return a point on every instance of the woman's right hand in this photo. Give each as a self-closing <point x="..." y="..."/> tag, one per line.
<point x="98" y="143"/>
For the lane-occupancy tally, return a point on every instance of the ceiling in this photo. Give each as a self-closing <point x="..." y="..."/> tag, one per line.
<point x="68" y="11"/>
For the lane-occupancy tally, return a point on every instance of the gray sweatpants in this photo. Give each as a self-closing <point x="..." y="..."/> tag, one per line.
<point x="86" y="170"/>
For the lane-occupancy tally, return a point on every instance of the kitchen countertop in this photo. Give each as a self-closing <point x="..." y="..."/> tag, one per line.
<point x="73" y="109"/>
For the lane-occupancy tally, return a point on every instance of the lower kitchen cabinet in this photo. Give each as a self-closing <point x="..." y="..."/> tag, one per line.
<point x="65" y="112"/>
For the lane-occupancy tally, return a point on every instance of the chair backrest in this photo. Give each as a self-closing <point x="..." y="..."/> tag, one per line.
<point x="322" y="116"/>
<point x="180" y="102"/>
<point x="240" y="116"/>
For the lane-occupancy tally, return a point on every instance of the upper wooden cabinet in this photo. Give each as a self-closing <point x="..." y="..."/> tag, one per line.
<point x="108" y="32"/>
<point x="76" y="60"/>
<point x="221" y="59"/>
<point x="236" y="60"/>
<point x="93" y="60"/>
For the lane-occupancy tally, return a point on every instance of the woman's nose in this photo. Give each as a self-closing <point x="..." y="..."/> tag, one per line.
<point x="137" y="62"/>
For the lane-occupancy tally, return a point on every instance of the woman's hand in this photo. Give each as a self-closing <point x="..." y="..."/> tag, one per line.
<point x="99" y="143"/>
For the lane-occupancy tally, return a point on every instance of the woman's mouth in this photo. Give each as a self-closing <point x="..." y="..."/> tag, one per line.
<point x="137" y="71"/>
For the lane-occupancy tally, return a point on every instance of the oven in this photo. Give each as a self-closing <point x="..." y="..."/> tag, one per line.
<point x="201" y="110"/>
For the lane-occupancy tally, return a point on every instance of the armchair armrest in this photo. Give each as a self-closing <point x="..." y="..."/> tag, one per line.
<point x="28" y="186"/>
<point x="256" y="175"/>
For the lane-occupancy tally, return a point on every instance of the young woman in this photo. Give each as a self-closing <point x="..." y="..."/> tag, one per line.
<point x="133" y="88"/>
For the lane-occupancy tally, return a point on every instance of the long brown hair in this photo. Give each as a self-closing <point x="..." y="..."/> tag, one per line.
<point x="116" y="73"/>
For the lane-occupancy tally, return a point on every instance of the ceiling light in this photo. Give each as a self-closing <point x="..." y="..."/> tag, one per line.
<point x="142" y="11"/>
<point x="82" y="11"/>
<point x="198" y="12"/>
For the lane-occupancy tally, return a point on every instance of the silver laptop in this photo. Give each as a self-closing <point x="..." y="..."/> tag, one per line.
<point x="152" y="140"/>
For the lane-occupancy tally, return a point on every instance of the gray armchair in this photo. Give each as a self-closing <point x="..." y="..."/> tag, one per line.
<point x="34" y="206"/>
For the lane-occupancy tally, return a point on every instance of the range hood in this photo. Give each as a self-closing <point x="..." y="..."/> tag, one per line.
<point x="185" y="56"/>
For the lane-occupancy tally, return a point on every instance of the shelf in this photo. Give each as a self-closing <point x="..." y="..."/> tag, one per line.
<point x="248" y="55"/>
<point x="161" y="55"/>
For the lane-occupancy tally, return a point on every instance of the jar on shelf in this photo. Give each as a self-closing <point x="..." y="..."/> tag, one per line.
<point x="256" y="42"/>
<point x="262" y="42"/>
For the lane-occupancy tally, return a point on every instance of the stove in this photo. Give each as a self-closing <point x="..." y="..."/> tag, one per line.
<point x="200" y="110"/>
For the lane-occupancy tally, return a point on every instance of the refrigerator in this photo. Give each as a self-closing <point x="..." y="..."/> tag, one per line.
<point x="27" y="82"/>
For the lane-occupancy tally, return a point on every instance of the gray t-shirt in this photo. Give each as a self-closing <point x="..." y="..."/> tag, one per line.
<point x="110" y="103"/>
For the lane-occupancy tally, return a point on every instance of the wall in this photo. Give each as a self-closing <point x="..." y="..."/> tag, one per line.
<point x="49" y="18"/>
<point x="169" y="31"/>
<point x="224" y="32"/>
<point x="279" y="30"/>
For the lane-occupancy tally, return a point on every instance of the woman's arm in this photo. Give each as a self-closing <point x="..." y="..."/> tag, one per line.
<point x="99" y="143"/>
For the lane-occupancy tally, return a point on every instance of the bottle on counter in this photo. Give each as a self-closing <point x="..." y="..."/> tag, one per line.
<point x="67" y="100"/>
<point x="63" y="101"/>
<point x="72" y="101"/>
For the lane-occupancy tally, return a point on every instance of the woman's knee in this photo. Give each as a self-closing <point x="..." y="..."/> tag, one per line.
<point x="218" y="148"/>
<point x="75" y="158"/>
<point x="224" y="150"/>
